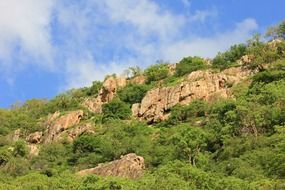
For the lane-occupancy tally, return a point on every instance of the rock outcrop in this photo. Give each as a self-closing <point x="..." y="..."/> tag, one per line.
<point x="106" y="94"/>
<point x="204" y="85"/>
<point x="140" y="79"/>
<point x="35" y="137"/>
<point x="56" y="124"/>
<point x="75" y="132"/>
<point x="16" y="135"/>
<point x="245" y="60"/>
<point x="129" y="166"/>
<point x="33" y="150"/>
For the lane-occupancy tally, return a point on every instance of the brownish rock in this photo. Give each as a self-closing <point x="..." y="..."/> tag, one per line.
<point x="106" y="94"/>
<point x="140" y="79"/>
<point x="33" y="150"/>
<point x="35" y="138"/>
<point x="75" y="132"/>
<point x="129" y="166"/>
<point x="58" y="124"/>
<point x="16" y="135"/>
<point x="172" y="69"/>
<point x="245" y="60"/>
<point x="204" y="85"/>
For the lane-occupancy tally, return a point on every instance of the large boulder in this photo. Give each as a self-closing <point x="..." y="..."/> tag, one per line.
<point x="203" y="85"/>
<point x="106" y="94"/>
<point x="129" y="166"/>
<point x="56" y="124"/>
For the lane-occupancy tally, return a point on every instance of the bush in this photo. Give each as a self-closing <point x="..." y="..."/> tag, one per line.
<point x="20" y="149"/>
<point x="116" y="109"/>
<point x="182" y="113"/>
<point x="156" y="72"/>
<point x="228" y="58"/>
<point x="95" y="88"/>
<point x="133" y="93"/>
<point x="188" y="65"/>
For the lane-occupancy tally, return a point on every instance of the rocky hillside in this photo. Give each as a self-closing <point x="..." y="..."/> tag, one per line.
<point x="196" y="124"/>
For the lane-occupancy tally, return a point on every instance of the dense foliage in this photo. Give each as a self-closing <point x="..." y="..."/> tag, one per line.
<point x="156" y="72"/>
<point x="188" y="65"/>
<point x="116" y="109"/>
<point x="133" y="93"/>
<point x="228" y="58"/>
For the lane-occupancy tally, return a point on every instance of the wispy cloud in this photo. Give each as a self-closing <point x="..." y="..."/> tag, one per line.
<point x="25" y="28"/>
<point x="209" y="46"/>
<point x="186" y="3"/>
<point x="202" y="15"/>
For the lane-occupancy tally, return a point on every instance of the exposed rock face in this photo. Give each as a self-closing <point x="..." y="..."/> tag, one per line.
<point x="56" y="124"/>
<point x="76" y="132"/>
<point x="129" y="166"/>
<point x="16" y="135"/>
<point x="106" y="94"/>
<point x="35" y="138"/>
<point x="205" y="85"/>
<point x="172" y="69"/>
<point x="140" y="79"/>
<point x="245" y="60"/>
<point x="33" y="150"/>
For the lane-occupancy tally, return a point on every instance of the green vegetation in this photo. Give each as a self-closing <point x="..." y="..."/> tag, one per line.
<point x="228" y="58"/>
<point x="234" y="144"/>
<point x="188" y="65"/>
<point x="156" y="72"/>
<point x="133" y="93"/>
<point x="116" y="109"/>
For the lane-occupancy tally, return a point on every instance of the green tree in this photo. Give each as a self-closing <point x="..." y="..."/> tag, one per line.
<point x="156" y="72"/>
<point x="133" y="93"/>
<point x="190" y="142"/>
<point x="95" y="88"/>
<point x="188" y="65"/>
<point x="228" y="58"/>
<point x="116" y="109"/>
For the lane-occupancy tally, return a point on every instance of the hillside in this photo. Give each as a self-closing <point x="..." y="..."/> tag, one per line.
<point x="196" y="124"/>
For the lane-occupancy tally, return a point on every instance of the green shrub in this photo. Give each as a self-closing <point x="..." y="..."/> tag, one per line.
<point x="188" y="65"/>
<point x="95" y="88"/>
<point x="116" y="109"/>
<point x="183" y="113"/>
<point x="20" y="149"/>
<point x="133" y="93"/>
<point x="228" y="58"/>
<point x="156" y="72"/>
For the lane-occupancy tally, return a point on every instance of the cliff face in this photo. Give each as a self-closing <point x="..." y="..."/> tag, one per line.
<point x="204" y="85"/>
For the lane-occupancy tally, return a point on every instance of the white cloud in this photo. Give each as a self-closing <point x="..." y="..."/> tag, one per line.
<point x="209" y="47"/>
<point x="90" y="30"/>
<point x="143" y="18"/>
<point x="24" y="26"/>
<point x="145" y="15"/>
<point x="186" y="3"/>
<point x="83" y="71"/>
<point x="202" y="15"/>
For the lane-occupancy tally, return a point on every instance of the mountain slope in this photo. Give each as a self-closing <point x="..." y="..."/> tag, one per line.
<point x="196" y="124"/>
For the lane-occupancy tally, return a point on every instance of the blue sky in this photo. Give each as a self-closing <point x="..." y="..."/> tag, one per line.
<point x="49" y="46"/>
